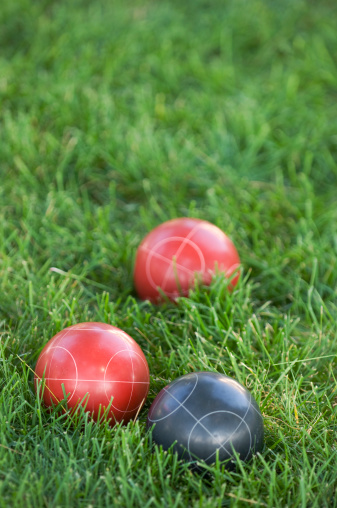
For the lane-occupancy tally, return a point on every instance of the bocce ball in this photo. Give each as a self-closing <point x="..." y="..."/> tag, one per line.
<point x="175" y="253"/>
<point x="96" y="365"/>
<point x="205" y="413"/>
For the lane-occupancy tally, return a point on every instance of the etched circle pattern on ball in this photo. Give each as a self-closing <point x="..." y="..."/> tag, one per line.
<point x="176" y="253"/>
<point x="161" y="410"/>
<point x="66" y="364"/>
<point x="114" y="375"/>
<point x="173" y="263"/>
<point x="204" y="414"/>
<point x="98" y="365"/>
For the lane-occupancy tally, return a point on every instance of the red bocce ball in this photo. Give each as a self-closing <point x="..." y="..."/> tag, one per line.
<point x="97" y="365"/>
<point x="173" y="254"/>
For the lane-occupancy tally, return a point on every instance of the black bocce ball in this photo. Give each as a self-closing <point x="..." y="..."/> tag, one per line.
<point x="203" y="413"/>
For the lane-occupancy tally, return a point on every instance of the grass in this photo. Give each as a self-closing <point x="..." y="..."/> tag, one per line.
<point x="116" y="116"/>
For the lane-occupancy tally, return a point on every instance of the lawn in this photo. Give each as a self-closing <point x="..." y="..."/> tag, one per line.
<point x="116" y="116"/>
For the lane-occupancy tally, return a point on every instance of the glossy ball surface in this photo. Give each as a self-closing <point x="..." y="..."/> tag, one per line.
<point x="206" y="413"/>
<point x="175" y="253"/>
<point x="97" y="364"/>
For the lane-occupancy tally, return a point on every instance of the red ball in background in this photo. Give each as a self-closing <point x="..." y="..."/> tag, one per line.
<point x="97" y="364"/>
<point x="173" y="254"/>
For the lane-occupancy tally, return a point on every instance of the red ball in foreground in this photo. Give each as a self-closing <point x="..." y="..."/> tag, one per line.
<point x="173" y="254"/>
<point x="97" y="365"/>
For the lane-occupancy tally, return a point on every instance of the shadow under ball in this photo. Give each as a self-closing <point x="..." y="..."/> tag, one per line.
<point x="207" y="413"/>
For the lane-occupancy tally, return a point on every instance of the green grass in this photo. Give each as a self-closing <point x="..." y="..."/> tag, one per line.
<point x="116" y="116"/>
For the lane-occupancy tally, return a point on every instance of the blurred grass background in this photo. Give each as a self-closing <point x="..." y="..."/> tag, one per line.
<point x="116" y="116"/>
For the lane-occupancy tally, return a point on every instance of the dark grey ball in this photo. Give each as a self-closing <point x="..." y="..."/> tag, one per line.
<point x="203" y="413"/>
